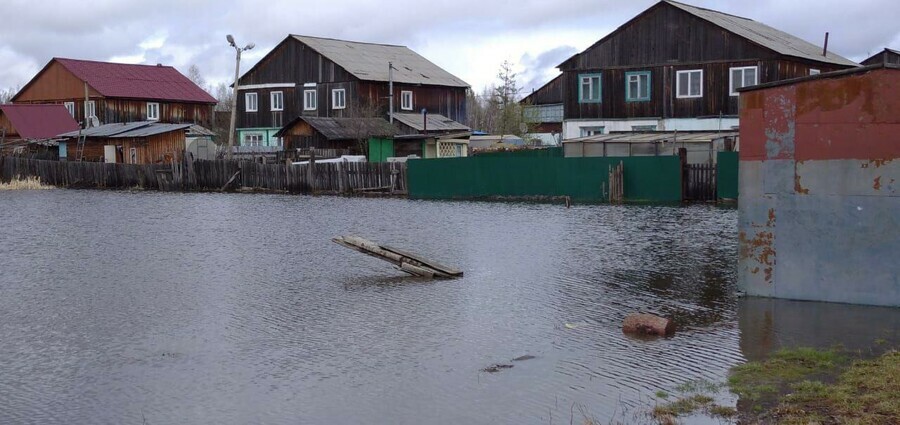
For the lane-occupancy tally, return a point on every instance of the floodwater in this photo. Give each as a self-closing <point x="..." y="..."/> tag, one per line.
<point x="156" y="308"/>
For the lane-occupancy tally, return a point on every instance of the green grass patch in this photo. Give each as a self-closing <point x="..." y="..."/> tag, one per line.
<point x="762" y="380"/>
<point x="868" y="392"/>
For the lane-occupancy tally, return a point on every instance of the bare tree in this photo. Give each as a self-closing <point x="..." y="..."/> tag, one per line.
<point x="506" y="96"/>
<point x="6" y="95"/>
<point x="223" y="95"/>
<point x="197" y="78"/>
<point x="364" y="127"/>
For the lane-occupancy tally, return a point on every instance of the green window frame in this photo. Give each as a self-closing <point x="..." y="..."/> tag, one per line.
<point x="637" y="86"/>
<point x="590" y="88"/>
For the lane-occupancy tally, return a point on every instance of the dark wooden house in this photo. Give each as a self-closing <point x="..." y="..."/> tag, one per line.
<point x="118" y="93"/>
<point x="886" y="56"/>
<point x="343" y="134"/>
<point x="544" y="107"/>
<point x="678" y="67"/>
<point x="322" y="77"/>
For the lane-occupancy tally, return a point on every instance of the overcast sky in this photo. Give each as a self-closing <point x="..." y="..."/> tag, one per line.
<point x="468" y="38"/>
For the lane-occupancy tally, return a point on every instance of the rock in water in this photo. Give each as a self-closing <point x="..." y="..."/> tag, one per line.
<point x="648" y="324"/>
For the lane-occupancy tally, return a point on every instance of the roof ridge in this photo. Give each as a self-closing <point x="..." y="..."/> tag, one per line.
<point x="708" y="10"/>
<point x="114" y="63"/>
<point x="349" y="41"/>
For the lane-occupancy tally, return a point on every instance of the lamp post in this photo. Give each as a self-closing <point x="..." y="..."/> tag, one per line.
<point x="234" y="95"/>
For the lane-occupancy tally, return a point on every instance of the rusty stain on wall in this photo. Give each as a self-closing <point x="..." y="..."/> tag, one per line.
<point x="877" y="185"/>
<point x="797" y="186"/>
<point x="781" y="126"/>
<point x="760" y="248"/>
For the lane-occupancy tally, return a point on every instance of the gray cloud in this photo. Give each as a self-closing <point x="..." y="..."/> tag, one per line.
<point x="195" y="30"/>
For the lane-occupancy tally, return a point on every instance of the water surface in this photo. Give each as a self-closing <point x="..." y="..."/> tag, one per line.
<point x="120" y="307"/>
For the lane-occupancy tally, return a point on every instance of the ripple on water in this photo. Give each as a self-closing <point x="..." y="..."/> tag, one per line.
<point x="197" y="308"/>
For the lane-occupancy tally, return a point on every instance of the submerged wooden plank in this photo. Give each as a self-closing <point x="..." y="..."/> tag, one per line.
<point x="405" y="261"/>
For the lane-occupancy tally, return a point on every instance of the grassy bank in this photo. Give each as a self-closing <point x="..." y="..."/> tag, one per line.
<point x="798" y="386"/>
<point x="28" y="183"/>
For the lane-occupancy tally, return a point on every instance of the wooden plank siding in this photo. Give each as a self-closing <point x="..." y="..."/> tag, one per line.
<point x="294" y="62"/>
<point x="663" y="40"/>
<point x="159" y="148"/>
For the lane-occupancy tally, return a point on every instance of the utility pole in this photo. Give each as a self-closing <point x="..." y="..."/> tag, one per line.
<point x="391" y="90"/>
<point x="234" y="95"/>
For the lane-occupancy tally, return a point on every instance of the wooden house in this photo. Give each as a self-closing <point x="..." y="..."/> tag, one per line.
<point x="118" y="93"/>
<point x="31" y="128"/>
<point x="886" y="56"/>
<point x="328" y="78"/>
<point x="142" y="142"/>
<point x="544" y="107"/>
<point x="678" y="67"/>
<point x="343" y="134"/>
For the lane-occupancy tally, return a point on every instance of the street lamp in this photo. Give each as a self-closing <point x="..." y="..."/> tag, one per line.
<point x="234" y="95"/>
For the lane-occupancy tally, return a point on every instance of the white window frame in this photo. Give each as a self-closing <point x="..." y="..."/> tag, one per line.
<point x="338" y="94"/>
<point x="310" y="101"/>
<point x="132" y="156"/>
<point x="406" y="100"/>
<point x="251" y="102"/>
<point x="90" y="109"/>
<point x="276" y="101"/>
<point x="814" y="71"/>
<point x="689" y="73"/>
<point x="257" y="137"/>
<point x="70" y="106"/>
<point x="732" y="90"/>
<point x="152" y="107"/>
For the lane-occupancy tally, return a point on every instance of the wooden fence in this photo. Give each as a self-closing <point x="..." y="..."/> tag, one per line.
<point x="326" y="178"/>
<point x="700" y="182"/>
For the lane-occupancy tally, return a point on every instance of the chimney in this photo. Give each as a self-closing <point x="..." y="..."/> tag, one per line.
<point x="825" y="49"/>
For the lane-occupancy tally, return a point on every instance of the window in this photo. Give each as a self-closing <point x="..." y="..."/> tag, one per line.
<point x="338" y="99"/>
<point x="132" y="155"/>
<point x="591" y="131"/>
<point x="689" y="83"/>
<point x="252" y="139"/>
<point x="152" y="111"/>
<point x="406" y="100"/>
<point x="90" y="109"/>
<point x="277" y="141"/>
<point x="813" y="71"/>
<point x="251" y="102"/>
<point x="643" y="128"/>
<point x="742" y="77"/>
<point x="590" y="88"/>
<point x="70" y="106"/>
<point x="309" y="100"/>
<point x="637" y="86"/>
<point x="277" y="100"/>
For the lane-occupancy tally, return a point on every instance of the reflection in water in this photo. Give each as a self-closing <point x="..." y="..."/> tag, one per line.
<point x="770" y="324"/>
<point x="117" y="307"/>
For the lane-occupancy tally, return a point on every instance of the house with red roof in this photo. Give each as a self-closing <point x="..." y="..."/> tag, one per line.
<point x="33" y="127"/>
<point x="119" y="93"/>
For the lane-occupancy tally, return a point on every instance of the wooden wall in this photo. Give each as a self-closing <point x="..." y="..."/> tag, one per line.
<point x="664" y="40"/>
<point x="550" y="93"/>
<point x="153" y="149"/>
<point x="293" y="62"/>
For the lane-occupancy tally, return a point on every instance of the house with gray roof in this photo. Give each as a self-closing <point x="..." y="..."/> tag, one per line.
<point x="315" y="77"/>
<point x="679" y="67"/>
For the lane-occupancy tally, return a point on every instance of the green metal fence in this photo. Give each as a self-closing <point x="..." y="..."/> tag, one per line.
<point x="727" y="175"/>
<point x="647" y="179"/>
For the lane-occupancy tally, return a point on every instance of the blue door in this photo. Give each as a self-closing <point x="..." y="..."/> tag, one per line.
<point x="63" y="152"/>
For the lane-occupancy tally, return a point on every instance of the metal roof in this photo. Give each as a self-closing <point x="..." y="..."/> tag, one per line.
<point x="345" y="128"/>
<point x="125" y="130"/>
<point x="151" y="82"/>
<point x="655" y="137"/>
<point x="369" y="62"/>
<point x="436" y="122"/>
<point x="764" y="35"/>
<point x="35" y="122"/>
